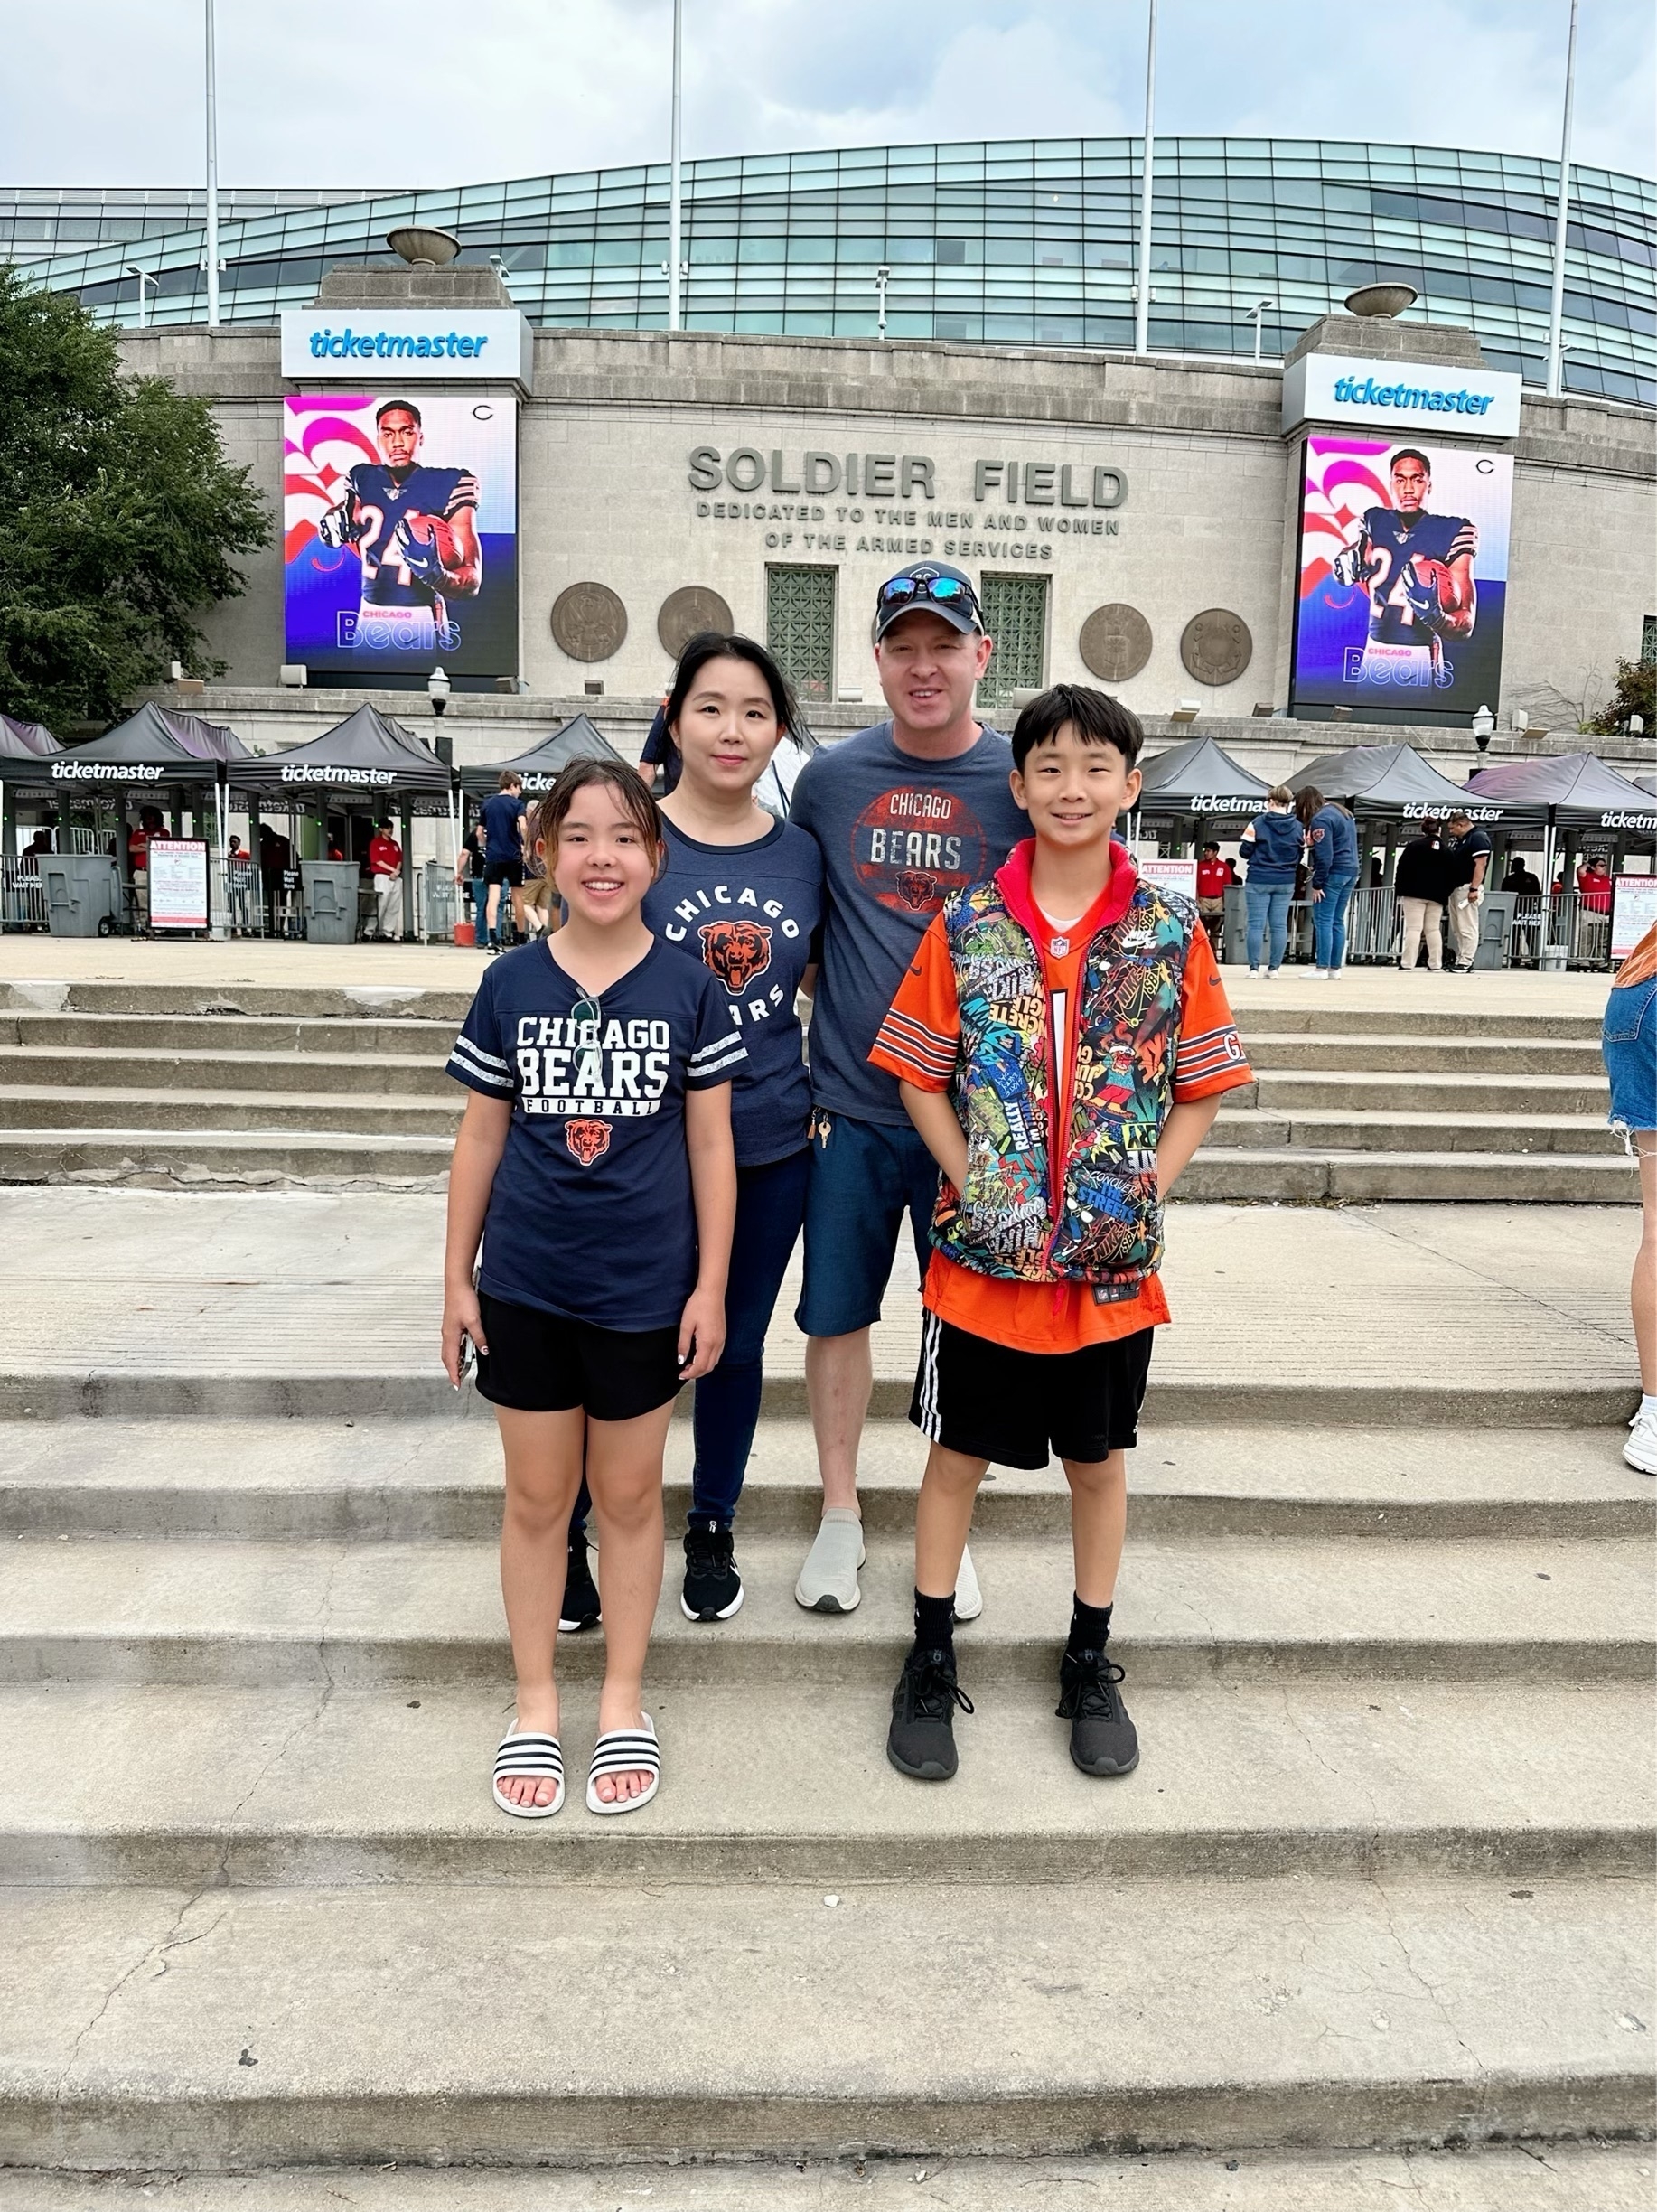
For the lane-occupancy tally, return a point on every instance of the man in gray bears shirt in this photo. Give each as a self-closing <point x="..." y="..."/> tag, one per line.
<point x="905" y="812"/>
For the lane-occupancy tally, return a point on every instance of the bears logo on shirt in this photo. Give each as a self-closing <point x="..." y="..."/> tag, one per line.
<point x="737" y="952"/>
<point x="588" y="1141"/>
<point x="912" y="847"/>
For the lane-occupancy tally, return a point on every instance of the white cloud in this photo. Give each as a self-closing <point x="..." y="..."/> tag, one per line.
<point x="311" y="93"/>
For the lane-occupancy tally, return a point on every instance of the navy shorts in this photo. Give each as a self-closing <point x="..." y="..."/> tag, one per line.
<point x="545" y="1363"/>
<point x="509" y="872"/>
<point x="1628" y="1042"/>
<point x="864" y="1177"/>
<point x="988" y="1402"/>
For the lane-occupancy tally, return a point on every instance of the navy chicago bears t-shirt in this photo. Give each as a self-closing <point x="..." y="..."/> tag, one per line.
<point x="897" y="835"/>
<point x="750" y="914"/>
<point x="591" y="1215"/>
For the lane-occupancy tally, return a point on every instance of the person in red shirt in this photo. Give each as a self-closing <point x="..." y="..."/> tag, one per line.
<point x="1214" y="877"/>
<point x="1593" y="882"/>
<point x="386" y="868"/>
<point x="1060" y="1040"/>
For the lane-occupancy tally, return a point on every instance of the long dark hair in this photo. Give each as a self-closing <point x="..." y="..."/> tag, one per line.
<point x="722" y="644"/>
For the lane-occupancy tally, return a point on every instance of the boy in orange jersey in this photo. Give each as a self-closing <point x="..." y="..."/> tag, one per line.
<point x="1062" y="1041"/>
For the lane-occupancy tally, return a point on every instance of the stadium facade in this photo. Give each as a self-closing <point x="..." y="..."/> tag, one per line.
<point x="1003" y="243"/>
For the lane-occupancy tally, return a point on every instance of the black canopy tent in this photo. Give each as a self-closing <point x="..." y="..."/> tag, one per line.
<point x="1199" y="778"/>
<point x="1564" y="791"/>
<point x="207" y="740"/>
<point x="20" y="740"/>
<point x="1390" y="784"/>
<point x="539" y="767"/>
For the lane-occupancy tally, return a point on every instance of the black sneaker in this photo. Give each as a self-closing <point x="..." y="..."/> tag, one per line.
<point x="713" y="1588"/>
<point x="580" y="1608"/>
<point x="1102" y="1739"/>
<point x="921" y="1741"/>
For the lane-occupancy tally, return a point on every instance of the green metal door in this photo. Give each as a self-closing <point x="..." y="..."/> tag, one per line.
<point x="1016" y="615"/>
<point x="799" y="628"/>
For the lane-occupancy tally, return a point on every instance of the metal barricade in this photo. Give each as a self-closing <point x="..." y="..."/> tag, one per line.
<point x="1373" y="924"/>
<point x="1561" y="929"/>
<point x="436" y="902"/>
<point x="23" y="894"/>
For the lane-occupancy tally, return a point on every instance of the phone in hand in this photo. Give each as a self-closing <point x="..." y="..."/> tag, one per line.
<point x="468" y="1361"/>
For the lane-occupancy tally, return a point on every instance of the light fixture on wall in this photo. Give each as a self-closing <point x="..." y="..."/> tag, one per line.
<point x="1483" y="723"/>
<point x="437" y="689"/>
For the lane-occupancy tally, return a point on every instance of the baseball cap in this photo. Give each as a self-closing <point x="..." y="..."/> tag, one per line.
<point x="934" y="587"/>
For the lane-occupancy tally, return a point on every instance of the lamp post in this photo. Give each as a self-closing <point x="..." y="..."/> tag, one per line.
<point x="145" y="276"/>
<point x="1555" y="313"/>
<point x="1142" y="308"/>
<point x="1484" y="723"/>
<point x="212" y="175"/>
<point x="1256" y="314"/>
<point x="882" y="278"/>
<point x="675" y="211"/>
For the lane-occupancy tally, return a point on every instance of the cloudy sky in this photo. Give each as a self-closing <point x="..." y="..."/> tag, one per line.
<point x="313" y="93"/>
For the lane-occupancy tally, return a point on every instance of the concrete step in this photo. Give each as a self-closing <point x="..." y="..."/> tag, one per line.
<point x="1370" y="1052"/>
<point x="230" y="1612"/>
<point x="268" y="1786"/>
<point x="342" y="1070"/>
<point x="1440" y="1012"/>
<point x="32" y="1108"/>
<point x="1305" y="1090"/>
<point x="1289" y="1174"/>
<point x="412" y="1481"/>
<point x="440" y="2023"/>
<point x="221" y="1033"/>
<point x="1302" y="1176"/>
<point x="1600" y="2177"/>
<point x="1313" y="1130"/>
<point x="367" y="1000"/>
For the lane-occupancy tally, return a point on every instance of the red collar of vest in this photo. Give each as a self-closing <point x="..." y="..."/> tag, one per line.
<point x="1013" y="881"/>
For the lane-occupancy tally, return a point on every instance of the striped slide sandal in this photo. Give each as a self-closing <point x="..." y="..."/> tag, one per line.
<point x="626" y="1751"/>
<point x="527" y="1756"/>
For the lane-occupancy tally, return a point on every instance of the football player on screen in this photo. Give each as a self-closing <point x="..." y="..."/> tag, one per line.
<point x="1418" y="569"/>
<point x="414" y="531"/>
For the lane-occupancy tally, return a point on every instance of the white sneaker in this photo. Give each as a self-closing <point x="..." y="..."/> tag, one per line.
<point x="1640" y="1450"/>
<point x="1321" y="975"/>
<point x="969" y="1597"/>
<point x="829" y="1579"/>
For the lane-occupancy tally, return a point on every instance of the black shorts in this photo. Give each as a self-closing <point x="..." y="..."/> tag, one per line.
<point x="504" y="871"/>
<point x="544" y="1363"/>
<point x="987" y="1402"/>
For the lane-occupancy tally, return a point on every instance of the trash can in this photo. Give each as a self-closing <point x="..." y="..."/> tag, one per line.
<point x="1495" y="912"/>
<point x="82" y="893"/>
<point x="330" y="889"/>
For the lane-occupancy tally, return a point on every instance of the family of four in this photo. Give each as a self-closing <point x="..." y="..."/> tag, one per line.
<point x="1016" y="1044"/>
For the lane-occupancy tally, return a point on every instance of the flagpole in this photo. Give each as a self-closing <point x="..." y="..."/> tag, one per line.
<point x="212" y="175"/>
<point x="675" y="211"/>
<point x="1556" y="314"/>
<point x="1142" y="304"/>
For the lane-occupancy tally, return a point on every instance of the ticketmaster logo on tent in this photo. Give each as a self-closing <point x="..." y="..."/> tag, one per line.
<point x="318" y="774"/>
<point x="103" y="772"/>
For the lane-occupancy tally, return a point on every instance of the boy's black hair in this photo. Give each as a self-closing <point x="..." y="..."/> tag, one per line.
<point x="1096" y="718"/>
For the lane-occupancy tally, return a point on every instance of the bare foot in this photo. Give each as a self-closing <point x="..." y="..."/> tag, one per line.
<point x="616" y="1788"/>
<point x="536" y="1715"/>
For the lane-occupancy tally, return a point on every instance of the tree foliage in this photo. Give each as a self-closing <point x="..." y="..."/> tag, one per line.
<point x="120" y="519"/>
<point x="1635" y="694"/>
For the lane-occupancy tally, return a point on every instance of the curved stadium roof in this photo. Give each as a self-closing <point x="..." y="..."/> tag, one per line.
<point x="1007" y="242"/>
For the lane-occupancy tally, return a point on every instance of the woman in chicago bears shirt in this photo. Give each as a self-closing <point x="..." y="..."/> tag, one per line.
<point x="595" y="1163"/>
<point x="741" y="894"/>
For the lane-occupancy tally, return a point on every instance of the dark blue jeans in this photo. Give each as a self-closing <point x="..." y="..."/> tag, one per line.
<point x="770" y="1204"/>
<point x="1329" y="922"/>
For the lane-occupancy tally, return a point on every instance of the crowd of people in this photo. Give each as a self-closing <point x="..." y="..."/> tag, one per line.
<point x="1017" y="1043"/>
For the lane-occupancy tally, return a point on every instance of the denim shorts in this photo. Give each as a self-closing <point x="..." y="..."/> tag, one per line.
<point x="1628" y="1041"/>
<point x="864" y="1177"/>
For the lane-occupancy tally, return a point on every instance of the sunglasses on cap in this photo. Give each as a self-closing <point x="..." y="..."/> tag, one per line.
<point x="946" y="590"/>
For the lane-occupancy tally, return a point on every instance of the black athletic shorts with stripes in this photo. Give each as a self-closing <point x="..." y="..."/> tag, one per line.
<point x="987" y="1402"/>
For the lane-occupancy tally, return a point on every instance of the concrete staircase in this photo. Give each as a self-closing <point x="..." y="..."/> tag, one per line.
<point x="153" y="1083"/>
<point x="1380" y="1882"/>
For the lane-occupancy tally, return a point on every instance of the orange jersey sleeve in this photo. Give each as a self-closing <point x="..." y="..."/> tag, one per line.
<point x="1210" y="1056"/>
<point x="920" y="1039"/>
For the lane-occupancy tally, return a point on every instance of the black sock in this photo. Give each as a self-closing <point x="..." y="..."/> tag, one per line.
<point x="935" y="1622"/>
<point x="1090" y="1627"/>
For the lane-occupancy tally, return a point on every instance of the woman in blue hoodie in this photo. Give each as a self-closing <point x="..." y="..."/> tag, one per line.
<point x="1332" y="847"/>
<point x="1271" y="849"/>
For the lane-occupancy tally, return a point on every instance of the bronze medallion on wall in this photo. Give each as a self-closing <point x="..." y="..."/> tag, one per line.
<point x="1216" y="646"/>
<point x="1116" y="641"/>
<point x="685" y="612"/>
<point x="588" y="622"/>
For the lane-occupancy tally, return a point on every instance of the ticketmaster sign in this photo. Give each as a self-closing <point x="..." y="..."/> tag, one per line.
<point x="340" y="344"/>
<point x="1405" y="397"/>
